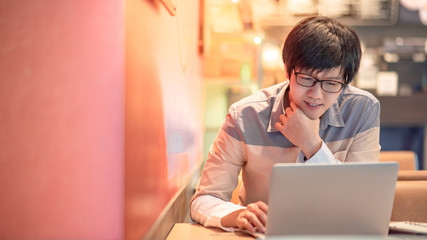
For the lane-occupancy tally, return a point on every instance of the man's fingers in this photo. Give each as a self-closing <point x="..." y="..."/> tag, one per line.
<point x="263" y="206"/>
<point x="258" y="215"/>
<point x="257" y="223"/>
<point x="282" y="117"/>
<point x="288" y="111"/>
<point x="294" y="106"/>
<point x="254" y="221"/>
<point x="291" y="108"/>
<point x="245" y="223"/>
<point x="280" y="126"/>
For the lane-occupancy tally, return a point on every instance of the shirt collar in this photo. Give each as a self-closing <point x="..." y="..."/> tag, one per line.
<point x="278" y="106"/>
<point x="332" y="116"/>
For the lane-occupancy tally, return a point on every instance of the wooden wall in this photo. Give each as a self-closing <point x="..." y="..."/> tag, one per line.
<point x="100" y="115"/>
<point x="163" y="107"/>
<point x="61" y="119"/>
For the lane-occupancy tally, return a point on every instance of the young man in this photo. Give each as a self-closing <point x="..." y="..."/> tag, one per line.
<point x="315" y="117"/>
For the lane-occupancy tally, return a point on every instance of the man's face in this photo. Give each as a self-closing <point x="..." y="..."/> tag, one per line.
<point x="314" y="101"/>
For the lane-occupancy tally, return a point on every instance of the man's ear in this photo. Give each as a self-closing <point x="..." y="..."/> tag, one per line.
<point x="286" y="72"/>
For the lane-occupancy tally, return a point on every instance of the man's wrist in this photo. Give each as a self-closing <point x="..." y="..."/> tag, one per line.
<point x="312" y="149"/>
<point x="229" y="221"/>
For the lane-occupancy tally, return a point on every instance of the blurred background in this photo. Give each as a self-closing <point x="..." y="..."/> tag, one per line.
<point x="108" y="108"/>
<point x="244" y="38"/>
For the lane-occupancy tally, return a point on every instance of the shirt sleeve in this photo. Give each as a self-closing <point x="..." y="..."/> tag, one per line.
<point x="209" y="210"/>
<point x="324" y="155"/>
<point x="219" y="178"/>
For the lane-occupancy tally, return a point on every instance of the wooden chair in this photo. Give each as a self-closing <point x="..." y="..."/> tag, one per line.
<point x="410" y="200"/>
<point x="407" y="160"/>
<point x="235" y="195"/>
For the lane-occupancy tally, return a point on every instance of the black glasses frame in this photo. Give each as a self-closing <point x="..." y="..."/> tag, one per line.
<point x="316" y="80"/>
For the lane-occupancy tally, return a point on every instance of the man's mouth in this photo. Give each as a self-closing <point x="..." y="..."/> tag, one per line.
<point x="313" y="104"/>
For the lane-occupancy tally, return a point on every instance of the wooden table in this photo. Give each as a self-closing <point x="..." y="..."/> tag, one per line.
<point x="197" y="231"/>
<point x="189" y="231"/>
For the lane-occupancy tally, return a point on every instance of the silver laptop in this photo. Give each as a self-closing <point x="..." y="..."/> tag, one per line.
<point x="333" y="199"/>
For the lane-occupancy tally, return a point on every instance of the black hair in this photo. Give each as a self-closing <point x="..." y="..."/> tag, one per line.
<point x="320" y="44"/>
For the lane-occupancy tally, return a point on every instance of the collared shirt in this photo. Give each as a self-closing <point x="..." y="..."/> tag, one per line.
<point x="248" y="141"/>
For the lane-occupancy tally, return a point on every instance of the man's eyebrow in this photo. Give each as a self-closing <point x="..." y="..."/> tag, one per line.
<point x="333" y="78"/>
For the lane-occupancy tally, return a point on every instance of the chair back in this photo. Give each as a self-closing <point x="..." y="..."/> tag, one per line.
<point x="407" y="160"/>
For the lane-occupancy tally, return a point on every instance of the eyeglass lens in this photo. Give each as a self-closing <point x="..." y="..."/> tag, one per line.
<point x="326" y="85"/>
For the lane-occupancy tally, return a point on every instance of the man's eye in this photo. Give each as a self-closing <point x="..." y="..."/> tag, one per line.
<point x="331" y="83"/>
<point x="307" y="79"/>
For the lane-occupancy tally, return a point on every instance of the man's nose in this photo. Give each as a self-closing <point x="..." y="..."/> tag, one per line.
<point x="315" y="91"/>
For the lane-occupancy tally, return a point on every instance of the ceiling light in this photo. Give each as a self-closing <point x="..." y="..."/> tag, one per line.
<point x="257" y="40"/>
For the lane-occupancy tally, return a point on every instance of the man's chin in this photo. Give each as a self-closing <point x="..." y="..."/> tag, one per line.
<point x="314" y="118"/>
<point x="313" y="115"/>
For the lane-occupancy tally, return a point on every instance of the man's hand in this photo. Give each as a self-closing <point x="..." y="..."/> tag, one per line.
<point x="302" y="131"/>
<point x="253" y="218"/>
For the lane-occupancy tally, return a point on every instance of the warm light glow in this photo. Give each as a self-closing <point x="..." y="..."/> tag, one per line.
<point x="391" y="57"/>
<point x="257" y="40"/>
<point x="235" y="1"/>
<point x="271" y="56"/>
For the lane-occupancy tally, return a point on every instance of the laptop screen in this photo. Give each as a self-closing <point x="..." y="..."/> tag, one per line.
<point x="331" y="199"/>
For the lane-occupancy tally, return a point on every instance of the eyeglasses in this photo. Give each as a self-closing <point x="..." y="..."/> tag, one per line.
<point x="306" y="80"/>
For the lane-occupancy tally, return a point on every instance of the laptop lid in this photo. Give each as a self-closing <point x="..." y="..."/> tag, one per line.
<point x="332" y="199"/>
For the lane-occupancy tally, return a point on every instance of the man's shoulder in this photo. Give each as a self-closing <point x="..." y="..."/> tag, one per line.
<point x="357" y="95"/>
<point x="262" y="98"/>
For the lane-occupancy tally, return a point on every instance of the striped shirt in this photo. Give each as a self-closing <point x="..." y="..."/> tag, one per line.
<point x="249" y="142"/>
